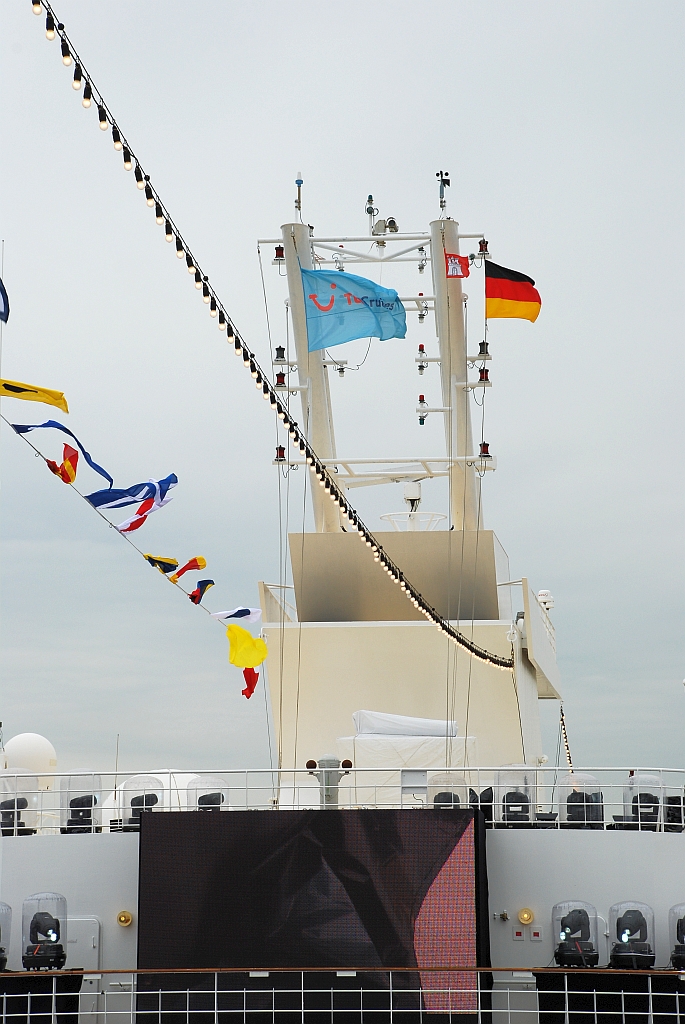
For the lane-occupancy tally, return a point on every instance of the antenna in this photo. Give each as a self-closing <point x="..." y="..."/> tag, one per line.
<point x="299" y="182"/>
<point x="444" y="179"/>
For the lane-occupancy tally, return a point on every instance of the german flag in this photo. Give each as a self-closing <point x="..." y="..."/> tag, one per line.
<point x="510" y="294"/>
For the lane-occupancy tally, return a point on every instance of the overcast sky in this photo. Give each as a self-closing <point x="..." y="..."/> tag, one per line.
<point x="561" y="125"/>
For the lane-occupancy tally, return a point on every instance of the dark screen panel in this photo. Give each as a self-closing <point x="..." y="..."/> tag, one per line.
<point x="355" y="888"/>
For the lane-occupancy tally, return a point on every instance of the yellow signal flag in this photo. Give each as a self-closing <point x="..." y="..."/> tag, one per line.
<point x="246" y="651"/>
<point x="31" y="393"/>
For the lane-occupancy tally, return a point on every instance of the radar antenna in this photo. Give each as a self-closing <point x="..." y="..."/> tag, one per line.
<point x="444" y="179"/>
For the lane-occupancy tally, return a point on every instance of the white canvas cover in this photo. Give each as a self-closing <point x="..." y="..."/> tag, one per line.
<point x="376" y="723"/>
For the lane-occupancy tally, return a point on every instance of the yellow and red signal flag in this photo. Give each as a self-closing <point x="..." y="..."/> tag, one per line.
<point x="67" y="471"/>
<point x="509" y="293"/>
<point x="194" y="563"/>
<point x="246" y="652"/>
<point x="32" y="393"/>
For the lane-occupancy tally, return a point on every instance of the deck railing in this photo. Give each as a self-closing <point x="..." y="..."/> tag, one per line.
<point x="460" y="994"/>
<point x="514" y="796"/>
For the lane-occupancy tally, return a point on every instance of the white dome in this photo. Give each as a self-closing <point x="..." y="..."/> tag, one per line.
<point x="30" y="752"/>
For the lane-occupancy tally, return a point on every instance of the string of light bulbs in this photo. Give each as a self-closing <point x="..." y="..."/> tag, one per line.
<point x="91" y="95"/>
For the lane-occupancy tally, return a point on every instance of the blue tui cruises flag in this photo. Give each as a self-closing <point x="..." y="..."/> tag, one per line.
<point x="341" y="307"/>
<point x="4" y="304"/>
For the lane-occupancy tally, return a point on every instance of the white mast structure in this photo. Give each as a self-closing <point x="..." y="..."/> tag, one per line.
<point x="448" y="304"/>
<point x="354" y="641"/>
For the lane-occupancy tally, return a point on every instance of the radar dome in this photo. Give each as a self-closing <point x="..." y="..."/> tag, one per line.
<point x="31" y="752"/>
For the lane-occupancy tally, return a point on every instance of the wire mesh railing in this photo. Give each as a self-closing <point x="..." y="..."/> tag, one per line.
<point x="495" y="996"/>
<point x="510" y="796"/>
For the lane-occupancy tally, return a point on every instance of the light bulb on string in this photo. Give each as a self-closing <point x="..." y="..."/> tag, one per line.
<point x="266" y="394"/>
<point x="159" y="214"/>
<point x="87" y="95"/>
<point x="66" y="55"/>
<point x="198" y="279"/>
<point x="149" y="197"/>
<point x="168" y="232"/>
<point x="221" y="323"/>
<point x="189" y="263"/>
<point x="37" y="8"/>
<point x="212" y="307"/>
<point x="253" y="370"/>
<point x="205" y="292"/>
<point x="78" y="77"/>
<point x="102" y="118"/>
<point x="50" y="27"/>
<point x="140" y="180"/>
<point x="180" y="251"/>
<point x="116" y="139"/>
<point x="128" y="163"/>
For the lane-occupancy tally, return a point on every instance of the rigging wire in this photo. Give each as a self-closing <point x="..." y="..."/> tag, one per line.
<point x="225" y="323"/>
<point x="124" y="536"/>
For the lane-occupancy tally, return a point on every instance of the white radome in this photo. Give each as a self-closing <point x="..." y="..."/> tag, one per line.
<point x="31" y="752"/>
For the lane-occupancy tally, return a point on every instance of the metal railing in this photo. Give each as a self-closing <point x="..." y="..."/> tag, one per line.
<point x="510" y="796"/>
<point x="493" y="996"/>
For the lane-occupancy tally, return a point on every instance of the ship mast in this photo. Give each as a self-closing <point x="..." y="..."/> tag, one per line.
<point x="465" y="512"/>
<point x="317" y="415"/>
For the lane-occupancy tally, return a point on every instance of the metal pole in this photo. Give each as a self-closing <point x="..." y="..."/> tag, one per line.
<point x="449" y="318"/>
<point x="317" y="416"/>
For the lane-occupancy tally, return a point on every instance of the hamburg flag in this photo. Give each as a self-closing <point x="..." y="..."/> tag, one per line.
<point x="510" y="294"/>
<point x="341" y="307"/>
<point x="456" y="265"/>
<point x="67" y="471"/>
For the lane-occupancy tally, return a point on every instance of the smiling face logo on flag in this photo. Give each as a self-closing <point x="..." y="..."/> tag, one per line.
<point x="341" y="307"/>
